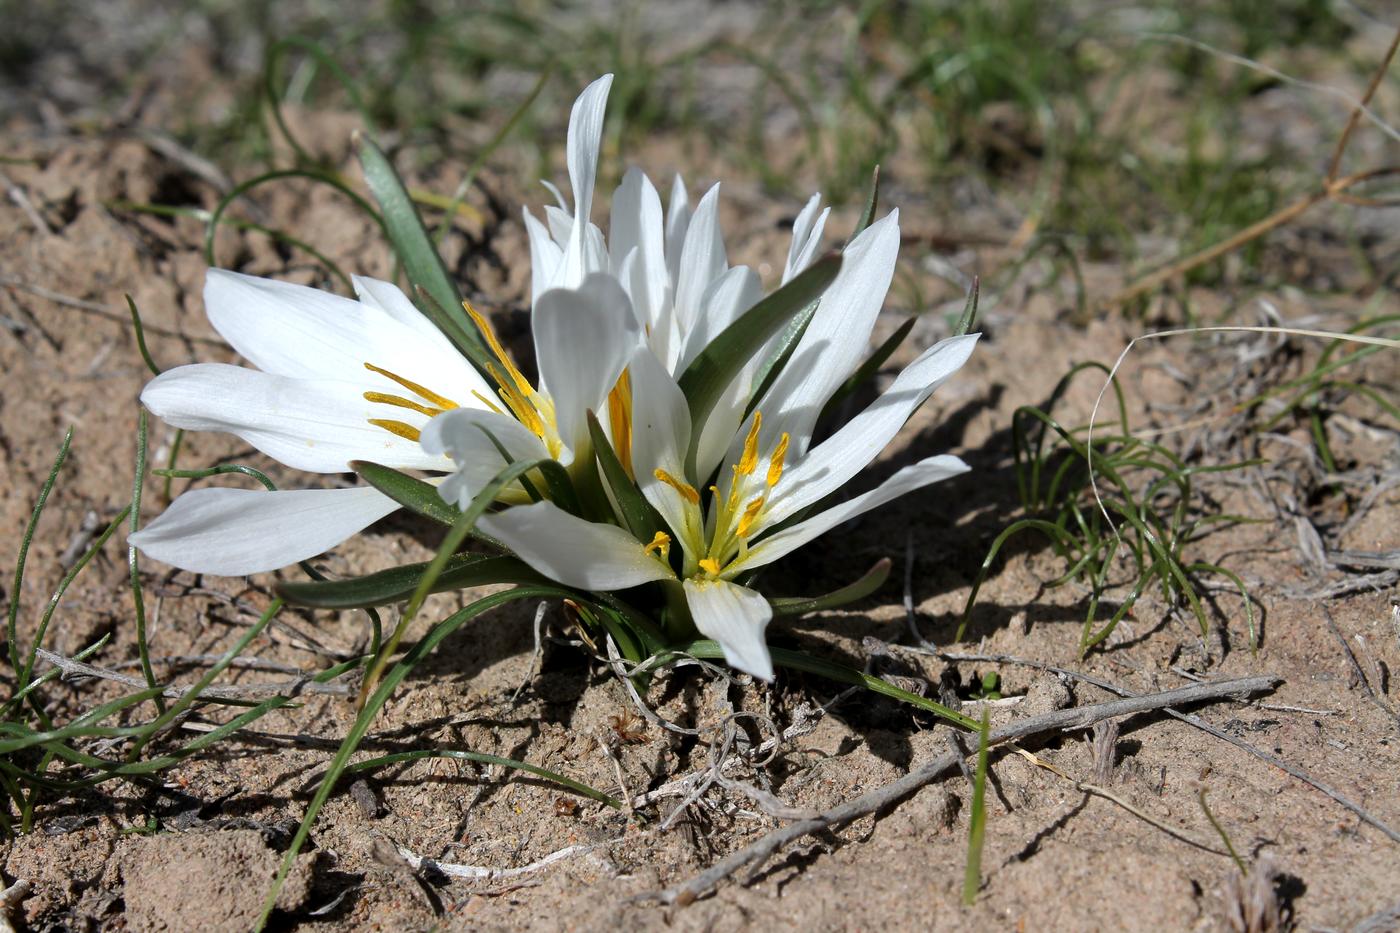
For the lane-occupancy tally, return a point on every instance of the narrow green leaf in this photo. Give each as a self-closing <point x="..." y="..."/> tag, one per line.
<point x="873" y="579"/>
<point x="398" y="583"/>
<point x="782" y="352"/>
<point x="969" y="315"/>
<point x="411" y="242"/>
<point x="710" y="373"/>
<point x="872" y="201"/>
<point x="408" y="491"/>
<point x="642" y="520"/>
<point x="977" y="822"/>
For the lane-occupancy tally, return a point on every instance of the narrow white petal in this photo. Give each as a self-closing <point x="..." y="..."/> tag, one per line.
<point x="660" y="438"/>
<point x="560" y="201"/>
<point x="316" y="425"/>
<point x="572" y="551"/>
<point x="386" y="297"/>
<point x="703" y="260"/>
<point x="731" y="294"/>
<point x="585" y="137"/>
<point x="291" y="330"/>
<point x="583" y="339"/>
<point x="636" y="230"/>
<point x="806" y="237"/>
<point x="835" y="460"/>
<point x="462" y="435"/>
<point x="231" y="532"/>
<point x="736" y="617"/>
<point x="905" y="481"/>
<point x="677" y="223"/>
<point x="545" y="256"/>
<point x="836" y="339"/>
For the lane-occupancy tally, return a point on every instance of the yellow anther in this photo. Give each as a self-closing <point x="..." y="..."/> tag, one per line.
<point x="399" y="401"/>
<point x="749" y="460"/>
<point x="710" y="566"/>
<point x="686" y="490"/>
<point x="660" y="543"/>
<point x="427" y="394"/>
<point x="406" y="431"/>
<point x="775" y="463"/>
<point x="750" y="515"/>
<point x="620" y="417"/>
<point x="489" y="334"/>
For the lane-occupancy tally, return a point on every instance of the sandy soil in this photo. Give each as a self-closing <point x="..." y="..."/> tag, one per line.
<point x="198" y="849"/>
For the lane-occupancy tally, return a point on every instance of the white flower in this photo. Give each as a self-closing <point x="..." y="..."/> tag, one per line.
<point x="753" y="514"/>
<point x="336" y="380"/>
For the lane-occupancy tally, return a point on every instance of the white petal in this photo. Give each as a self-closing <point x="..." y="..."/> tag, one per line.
<point x="316" y="425"/>
<point x="735" y="616"/>
<point x="735" y="291"/>
<point x="585" y="137"/>
<point x="386" y="297"/>
<point x="561" y="225"/>
<point x="583" y="339"/>
<point x="461" y="434"/>
<point x="660" y="438"/>
<point x="572" y="551"/>
<point x="905" y="481"/>
<point x="559" y="199"/>
<point x="291" y="330"/>
<point x="835" y="460"/>
<point x="835" y="340"/>
<point x="702" y="261"/>
<point x="636" y="230"/>
<point x="232" y="532"/>
<point x="677" y="223"/>
<point x="545" y="256"/>
<point x="806" y="237"/>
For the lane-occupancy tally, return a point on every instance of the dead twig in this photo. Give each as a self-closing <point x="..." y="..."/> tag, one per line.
<point x="77" y="669"/>
<point x="1287" y="767"/>
<point x="10" y="899"/>
<point x="1361" y="672"/>
<point x="480" y="873"/>
<point x="1056" y="721"/>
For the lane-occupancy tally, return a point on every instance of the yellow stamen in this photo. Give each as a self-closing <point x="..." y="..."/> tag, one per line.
<point x="661" y="542"/>
<point x="710" y="566"/>
<point x="399" y="401"/>
<point x="775" y="463"/>
<point x="686" y="490"/>
<point x="415" y="388"/>
<point x="750" y="515"/>
<point x="519" y="405"/>
<point x="489" y="333"/>
<point x="487" y="402"/>
<point x="749" y="460"/>
<point x="620" y="418"/>
<point x="406" y="431"/>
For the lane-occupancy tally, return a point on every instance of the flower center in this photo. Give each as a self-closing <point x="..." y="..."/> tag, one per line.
<point x="431" y="403"/>
<point x="739" y="513"/>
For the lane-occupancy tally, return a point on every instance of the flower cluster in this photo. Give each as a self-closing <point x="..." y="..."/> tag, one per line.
<point x="621" y="323"/>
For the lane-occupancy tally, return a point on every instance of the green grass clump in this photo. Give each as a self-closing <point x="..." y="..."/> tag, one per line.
<point x="1140" y="506"/>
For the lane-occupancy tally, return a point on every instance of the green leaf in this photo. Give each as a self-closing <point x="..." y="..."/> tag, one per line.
<point x="872" y="201"/>
<point x="408" y="491"/>
<point x="977" y="823"/>
<point x="398" y="583"/>
<point x="969" y="315"/>
<point x="642" y="520"/>
<point x="782" y="352"/>
<point x="873" y="579"/>
<point x="710" y="373"/>
<point x="411" y="242"/>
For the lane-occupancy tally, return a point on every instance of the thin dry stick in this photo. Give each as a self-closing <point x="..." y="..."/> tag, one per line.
<point x="1381" y="704"/>
<point x="101" y="310"/>
<point x="1287" y="767"/>
<point x="72" y="668"/>
<point x="1332" y="188"/>
<point x="879" y="799"/>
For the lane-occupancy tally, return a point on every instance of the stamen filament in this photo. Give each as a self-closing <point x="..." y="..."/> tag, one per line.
<point x="661" y="543"/>
<point x="489" y="334"/>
